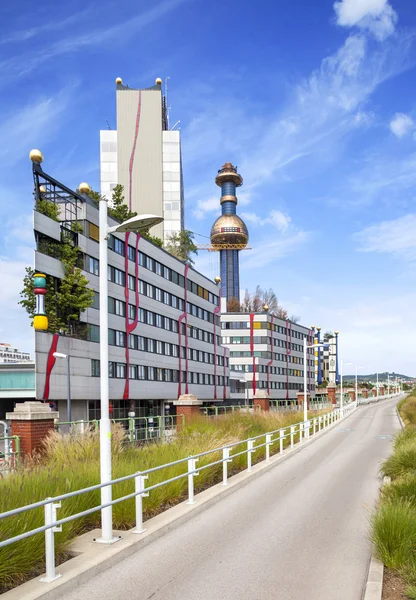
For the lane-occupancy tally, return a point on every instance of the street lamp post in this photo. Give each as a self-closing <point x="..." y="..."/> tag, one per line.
<point x="305" y="378"/>
<point x="341" y="402"/>
<point x="68" y="383"/>
<point x="357" y="368"/>
<point x="135" y="224"/>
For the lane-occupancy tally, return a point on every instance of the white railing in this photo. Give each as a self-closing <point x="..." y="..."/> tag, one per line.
<point x="302" y="430"/>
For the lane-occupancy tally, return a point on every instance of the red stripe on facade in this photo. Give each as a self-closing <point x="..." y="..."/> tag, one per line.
<point x="288" y="351"/>
<point x="252" y="351"/>
<point x="49" y="365"/>
<point x="225" y="391"/>
<point x="216" y="311"/>
<point x="269" y="364"/>
<point x="130" y="326"/>
<point x="133" y="151"/>
<point x="183" y="316"/>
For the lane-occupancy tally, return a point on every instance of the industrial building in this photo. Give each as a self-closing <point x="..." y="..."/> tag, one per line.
<point x="143" y="154"/>
<point x="164" y="325"/>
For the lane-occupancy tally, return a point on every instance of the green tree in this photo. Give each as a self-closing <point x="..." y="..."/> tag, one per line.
<point x="233" y="305"/>
<point x="66" y="298"/>
<point x="255" y="302"/>
<point x="182" y="245"/>
<point x="48" y="208"/>
<point x="120" y="210"/>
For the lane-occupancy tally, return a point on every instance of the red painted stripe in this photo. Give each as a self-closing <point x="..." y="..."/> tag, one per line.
<point x="270" y="361"/>
<point x="136" y="132"/>
<point x="183" y="316"/>
<point x="49" y="365"/>
<point x="216" y="311"/>
<point x="130" y="326"/>
<point x="252" y="352"/>
<point x="288" y="351"/>
<point x="225" y="391"/>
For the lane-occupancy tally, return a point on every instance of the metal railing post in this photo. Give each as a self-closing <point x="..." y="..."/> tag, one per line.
<point x="249" y="451"/>
<point x="281" y="438"/>
<point x="292" y="435"/>
<point x="225" y="460"/>
<point x="139" y="486"/>
<point x="268" y="444"/>
<point x="300" y="431"/>
<point x="191" y="474"/>
<point x="50" y="517"/>
<point x="314" y="427"/>
<point x="131" y="429"/>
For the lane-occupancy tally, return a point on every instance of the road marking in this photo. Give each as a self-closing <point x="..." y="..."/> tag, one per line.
<point x="384" y="436"/>
<point x="345" y="430"/>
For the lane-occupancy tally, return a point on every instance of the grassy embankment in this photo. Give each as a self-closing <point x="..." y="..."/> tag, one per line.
<point x="72" y="463"/>
<point x="394" y="521"/>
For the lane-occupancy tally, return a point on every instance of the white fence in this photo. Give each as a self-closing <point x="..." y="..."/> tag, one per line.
<point x="302" y="430"/>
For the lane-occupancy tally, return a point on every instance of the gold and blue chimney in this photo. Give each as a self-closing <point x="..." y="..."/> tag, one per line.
<point x="229" y="233"/>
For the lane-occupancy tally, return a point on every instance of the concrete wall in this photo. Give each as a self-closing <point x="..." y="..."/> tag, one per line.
<point x="146" y="192"/>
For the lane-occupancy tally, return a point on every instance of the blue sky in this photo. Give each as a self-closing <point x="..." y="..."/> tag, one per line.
<point x="314" y="101"/>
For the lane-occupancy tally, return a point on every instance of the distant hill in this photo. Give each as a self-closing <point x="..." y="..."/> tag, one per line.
<point x="381" y="377"/>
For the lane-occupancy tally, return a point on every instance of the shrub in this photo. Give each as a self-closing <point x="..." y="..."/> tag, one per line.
<point x="402" y="488"/>
<point x="402" y="461"/>
<point x="394" y="533"/>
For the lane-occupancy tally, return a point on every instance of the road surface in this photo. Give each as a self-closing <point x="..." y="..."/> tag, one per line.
<point x="299" y="532"/>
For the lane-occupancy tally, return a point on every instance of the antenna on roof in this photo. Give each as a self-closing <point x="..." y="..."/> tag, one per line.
<point x="172" y="128"/>
<point x="108" y="124"/>
<point x="166" y="97"/>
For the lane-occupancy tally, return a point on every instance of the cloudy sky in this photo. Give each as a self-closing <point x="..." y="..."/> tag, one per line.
<point x="314" y="101"/>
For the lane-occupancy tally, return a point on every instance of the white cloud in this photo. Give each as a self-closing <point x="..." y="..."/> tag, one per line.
<point x="401" y="124"/>
<point x="375" y="16"/>
<point x="32" y="125"/>
<point x="25" y="63"/>
<point x="204" y="207"/>
<point x="275" y="217"/>
<point x="266" y="253"/>
<point x="395" y="237"/>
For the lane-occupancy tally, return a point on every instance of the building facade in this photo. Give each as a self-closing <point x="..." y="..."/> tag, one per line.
<point x="229" y="233"/>
<point x="11" y="354"/>
<point x="164" y="326"/>
<point x="266" y="353"/>
<point x="326" y="357"/>
<point x="144" y="156"/>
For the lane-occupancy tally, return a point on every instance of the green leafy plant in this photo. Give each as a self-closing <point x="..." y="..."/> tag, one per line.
<point x="47" y="208"/>
<point x="182" y="246"/>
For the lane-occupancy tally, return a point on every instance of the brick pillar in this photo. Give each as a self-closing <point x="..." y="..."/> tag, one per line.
<point x="382" y="391"/>
<point x="352" y="395"/>
<point x="32" y="422"/>
<point x="365" y="393"/>
<point x="301" y="398"/>
<point x="332" y="394"/>
<point x="261" y="400"/>
<point x="187" y="405"/>
<point x="374" y="392"/>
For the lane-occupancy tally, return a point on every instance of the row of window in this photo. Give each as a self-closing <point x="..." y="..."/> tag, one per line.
<point x="274" y="385"/>
<point x="151" y="291"/>
<point x="272" y="370"/>
<point x="230" y="340"/>
<point x="138" y="342"/>
<point x="265" y="325"/>
<point x="155" y="266"/>
<point x="118" y="370"/>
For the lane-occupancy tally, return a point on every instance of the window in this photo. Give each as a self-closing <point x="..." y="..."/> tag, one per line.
<point x="93" y="333"/>
<point x="132" y="282"/>
<point x="96" y="301"/>
<point x="120" y="370"/>
<point x="159" y="347"/>
<point x="133" y="372"/>
<point x="158" y="320"/>
<point x="131" y="253"/>
<point x="120" y="338"/>
<point x="92" y="265"/>
<point x="132" y="312"/>
<point x="95" y="368"/>
<point x="93" y="232"/>
<point x="158" y="294"/>
<point x="118" y="246"/>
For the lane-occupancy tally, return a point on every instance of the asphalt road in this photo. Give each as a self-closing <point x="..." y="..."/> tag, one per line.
<point x="299" y="532"/>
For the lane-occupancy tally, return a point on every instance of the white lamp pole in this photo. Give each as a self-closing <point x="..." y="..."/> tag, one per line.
<point x="341" y="402"/>
<point x="357" y="368"/>
<point x="136" y="224"/>
<point x="68" y="383"/>
<point x="305" y="377"/>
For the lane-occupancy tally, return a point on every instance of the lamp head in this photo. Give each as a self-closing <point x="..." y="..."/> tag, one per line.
<point x="59" y="355"/>
<point x="138" y="223"/>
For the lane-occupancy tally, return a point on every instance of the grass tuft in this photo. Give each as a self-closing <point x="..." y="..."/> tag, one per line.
<point x="394" y="533"/>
